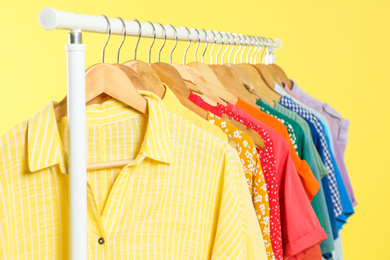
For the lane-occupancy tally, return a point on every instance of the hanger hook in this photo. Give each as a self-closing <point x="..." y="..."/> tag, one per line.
<point x="256" y="41"/>
<point x="273" y="46"/>
<point x="271" y="51"/>
<point x="265" y="44"/>
<point x="205" y="47"/>
<point x="108" y="37"/>
<point x="220" y="48"/>
<point x="223" y="54"/>
<point x="250" y="49"/>
<point x="243" y="50"/>
<point x="139" y="37"/>
<point x="259" y="49"/>
<point x="154" y="39"/>
<point x="235" y="55"/>
<point x="123" y="40"/>
<point x="165" y="39"/>
<point x="185" y="52"/>
<point x="212" y="49"/>
<point x="176" y="40"/>
<point x="197" y="45"/>
<point x="234" y="45"/>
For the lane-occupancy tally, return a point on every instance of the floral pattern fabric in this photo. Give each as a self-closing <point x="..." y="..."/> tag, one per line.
<point x="250" y="160"/>
<point x="268" y="163"/>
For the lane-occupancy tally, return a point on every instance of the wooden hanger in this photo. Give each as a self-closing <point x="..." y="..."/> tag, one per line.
<point x="170" y="76"/>
<point x="266" y="74"/>
<point x="254" y="83"/>
<point x="187" y="77"/>
<point x="195" y="81"/>
<point x="281" y="75"/>
<point x="214" y="77"/>
<point x="213" y="81"/>
<point x="148" y="76"/>
<point x="253" y="80"/>
<point x="193" y="75"/>
<point x="144" y="70"/>
<point x="232" y="83"/>
<point x="111" y="81"/>
<point x="102" y="80"/>
<point x="133" y="76"/>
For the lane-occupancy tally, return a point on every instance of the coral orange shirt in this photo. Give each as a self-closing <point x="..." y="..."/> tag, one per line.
<point x="312" y="254"/>
<point x="268" y="164"/>
<point x="301" y="229"/>
<point x="309" y="182"/>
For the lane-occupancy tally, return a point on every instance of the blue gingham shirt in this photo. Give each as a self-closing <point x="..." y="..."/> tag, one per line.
<point x="288" y="103"/>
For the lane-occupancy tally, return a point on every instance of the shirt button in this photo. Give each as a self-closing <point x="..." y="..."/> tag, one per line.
<point x="101" y="241"/>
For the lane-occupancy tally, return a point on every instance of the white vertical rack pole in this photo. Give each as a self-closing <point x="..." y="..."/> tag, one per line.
<point x="77" y="166"/>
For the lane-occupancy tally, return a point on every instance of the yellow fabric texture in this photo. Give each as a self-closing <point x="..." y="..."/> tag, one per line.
<point x="179" y="197"/>
<point x="254" y="175"/>
<point x="173" y="104"/>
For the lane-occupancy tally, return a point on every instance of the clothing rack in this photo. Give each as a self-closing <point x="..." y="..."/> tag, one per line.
<point x="49" y="19"/>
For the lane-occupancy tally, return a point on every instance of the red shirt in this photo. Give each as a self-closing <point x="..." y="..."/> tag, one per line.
<point x="309" y="182"/>
<point x="268" y="163"/>
<point x="300" y="226"/>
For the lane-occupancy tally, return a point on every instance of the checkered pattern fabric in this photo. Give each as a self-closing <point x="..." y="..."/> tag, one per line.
<point x="288" y="103"/>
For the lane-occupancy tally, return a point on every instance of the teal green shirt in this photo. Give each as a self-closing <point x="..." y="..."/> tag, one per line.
<point x="294" y="116"/>
<point x="310" y="154"/>
<point x="294" y="130"/>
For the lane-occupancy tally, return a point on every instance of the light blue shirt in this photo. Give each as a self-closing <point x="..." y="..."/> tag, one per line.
<point x="345" y="201"/>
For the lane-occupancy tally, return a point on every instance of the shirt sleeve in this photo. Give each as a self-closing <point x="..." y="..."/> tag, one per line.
<point x="300" y="226"/>
<point x="309" y="182"/>
<point x="232" y="239"/>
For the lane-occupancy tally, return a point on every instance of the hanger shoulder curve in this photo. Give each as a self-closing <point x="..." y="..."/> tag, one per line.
<point x="170" y="76"/>
<point x="232" y="83"/>
<point x="133" y="76"/>
<point x="213" y="82"/>
<point x="265" y="73"/>
<point x="106" y="78"/>
<point x="110" y="81"/>
<point x="148" y="76"/>
<point x="260" y="88"/>
<point x="280" y="75"/>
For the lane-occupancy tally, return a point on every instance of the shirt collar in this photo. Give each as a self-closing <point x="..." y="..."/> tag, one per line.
<point x="44" y="142"/>
<point x="45" y="147"/>
<point x="157" y="142"/>
<point x="280" y="90"/>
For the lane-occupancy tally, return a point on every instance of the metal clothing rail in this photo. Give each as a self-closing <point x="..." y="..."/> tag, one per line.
<point x="49" y="19"/>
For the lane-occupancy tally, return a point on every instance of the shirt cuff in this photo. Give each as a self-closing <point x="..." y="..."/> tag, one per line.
<point x="313" y="238"/>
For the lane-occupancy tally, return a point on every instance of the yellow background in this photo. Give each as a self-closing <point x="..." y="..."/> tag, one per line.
<point x="338" y="51"/>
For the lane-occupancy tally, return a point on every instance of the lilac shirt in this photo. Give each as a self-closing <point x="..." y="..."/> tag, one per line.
<point x="338" y="124"/>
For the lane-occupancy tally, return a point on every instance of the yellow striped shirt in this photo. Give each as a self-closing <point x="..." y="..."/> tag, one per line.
<point x="179" y="198"/>
<point x="173" y="104"/>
